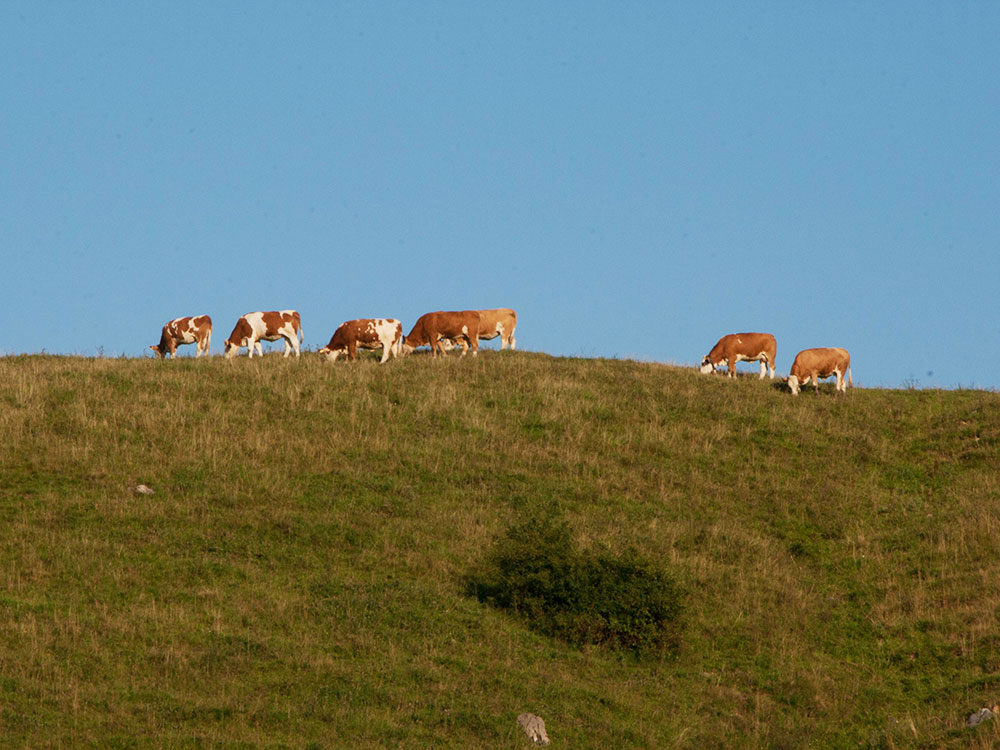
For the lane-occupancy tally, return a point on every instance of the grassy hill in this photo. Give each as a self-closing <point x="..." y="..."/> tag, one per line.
<point x="297" y="577"/>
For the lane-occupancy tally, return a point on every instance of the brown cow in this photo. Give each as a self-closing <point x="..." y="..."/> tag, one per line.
<point x="745" y="347"/>
<point x="194" y="330"/>
<point x="367" y="333"/>
<point x="492" y="323"/>
<point x="255" y="327"/>
<point x="813" y="364"/>
<point x="432" y="327"/>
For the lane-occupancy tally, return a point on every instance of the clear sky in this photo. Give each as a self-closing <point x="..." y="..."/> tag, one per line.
<point x="635" y="178"/>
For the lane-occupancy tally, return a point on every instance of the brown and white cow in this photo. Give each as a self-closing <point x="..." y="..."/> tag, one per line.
<point x="255" y="327"/>
<point x="741" y="347"/>
<point x="813" y="364"/>
<point x="366" y="333"/>
<point x="193" y="330"/>
<point x="492" y="323"/>
<point x="432" y="327"/>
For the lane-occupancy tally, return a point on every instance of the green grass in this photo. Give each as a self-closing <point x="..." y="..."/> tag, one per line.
<point x="298" y="578"/>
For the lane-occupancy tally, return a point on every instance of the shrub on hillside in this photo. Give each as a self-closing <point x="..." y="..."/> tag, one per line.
<point x="623" y="602"/>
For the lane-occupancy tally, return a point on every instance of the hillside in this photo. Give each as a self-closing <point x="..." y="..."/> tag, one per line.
<point x="296" y="579"/>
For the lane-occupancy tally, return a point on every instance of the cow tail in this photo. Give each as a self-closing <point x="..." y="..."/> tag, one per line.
<point x="850" y="380"/>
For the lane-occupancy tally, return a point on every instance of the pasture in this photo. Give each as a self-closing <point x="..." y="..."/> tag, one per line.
<point x="296" y="580"/>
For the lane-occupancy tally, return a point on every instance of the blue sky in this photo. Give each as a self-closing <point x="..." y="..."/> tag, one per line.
<point x="636" y="179"/>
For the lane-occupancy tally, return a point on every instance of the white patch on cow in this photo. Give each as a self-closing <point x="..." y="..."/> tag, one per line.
<point x="385" y="330"/>
<point x="287" y="332"/>
<point x="841" y="385"/>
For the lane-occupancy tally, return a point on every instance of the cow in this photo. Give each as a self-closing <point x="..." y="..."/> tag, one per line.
<point x="367" y="333"/>
<point x="745" y="347"/>
<point x="492" y="323"/>
<point x="432" y="327"/>
<point x="255" y="327"/>
<point x="193" y="330"/>
<point x="813" y="364"/>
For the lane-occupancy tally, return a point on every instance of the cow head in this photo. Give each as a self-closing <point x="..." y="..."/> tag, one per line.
<point x="793" y="384"/>
<point x="405" y="348"/>
<point x="708" y="366"/>
<point x="232" y="348"/>
<point x="157" y="350"/>
<point x="330" y="354"/>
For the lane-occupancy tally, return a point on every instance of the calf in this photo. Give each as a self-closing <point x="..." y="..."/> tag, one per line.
<point x="813" y="364"/>
<point x="432" y="327"/>
<point x="195" y="330"/>
<point x="367" y="333"/>
<point x="746" y="347"/>
<point x="255" y="327"/>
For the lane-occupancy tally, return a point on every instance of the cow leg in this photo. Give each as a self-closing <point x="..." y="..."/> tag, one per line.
<point x="386" y="349"/>
<point x="841" y="388"/>
<point x="288" y="345"/>
<point x="815" y="377"/>
<point x="763" y="369"/>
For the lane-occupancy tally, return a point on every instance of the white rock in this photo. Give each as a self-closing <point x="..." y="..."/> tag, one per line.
<point x="982" y="715"/>
<point x="142" y="489"/>
<point x="534" y="727"/>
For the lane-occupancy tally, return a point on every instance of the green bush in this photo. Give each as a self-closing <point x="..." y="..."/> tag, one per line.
<point x="622" y="602"/>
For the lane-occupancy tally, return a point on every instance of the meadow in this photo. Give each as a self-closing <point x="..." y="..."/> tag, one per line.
<point x="298" y="577"/>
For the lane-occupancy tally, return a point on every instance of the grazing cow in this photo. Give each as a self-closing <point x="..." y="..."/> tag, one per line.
<point x="367" y="333"/>
<point x="255" y="327"/>
<point x="195" y="330"/>
<point x="745" y="347"/>
<point x="813" y="364"/>
<point x="432" y="327"/>
<point x="492" y="323"/>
